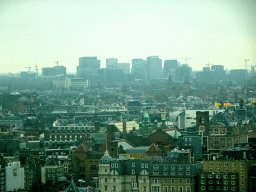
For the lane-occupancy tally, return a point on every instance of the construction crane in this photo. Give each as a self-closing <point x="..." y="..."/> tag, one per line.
<point x="208" y="64"/>
<point x="36" y="69"/>
<point x="186" y="59"/>
<point x="245" y="63"/>
<point x="57" y="62"/>
<point x="253" y="69"/>
<point x="29" y="68"/>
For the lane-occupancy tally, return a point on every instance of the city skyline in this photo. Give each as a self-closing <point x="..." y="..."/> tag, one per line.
<point x="39" y="33"/>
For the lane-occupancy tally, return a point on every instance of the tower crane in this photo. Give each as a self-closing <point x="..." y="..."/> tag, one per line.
<point x="208" y="64"/>
<point x="186" y="59"/>
<point x="36" y="69"/>
<point x="29" y="68"/>
<point x="57" y="62"/>
<point x="245" y="63"/>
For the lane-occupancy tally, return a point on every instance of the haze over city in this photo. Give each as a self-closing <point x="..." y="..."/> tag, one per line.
<point x="41" y="32"/>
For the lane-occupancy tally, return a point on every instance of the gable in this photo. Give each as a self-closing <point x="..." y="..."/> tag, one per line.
<point x="82" y="148"/>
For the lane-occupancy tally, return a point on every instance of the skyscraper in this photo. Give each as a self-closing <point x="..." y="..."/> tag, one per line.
<point x="139" y="68"/>
<point x="112" y="63"/>
<point x="154" y="67"/>
<point x="87" y="66"/>
<point x="125" y="67"/>
<point x="169" y="68"/>
<point x="183" y="72"/>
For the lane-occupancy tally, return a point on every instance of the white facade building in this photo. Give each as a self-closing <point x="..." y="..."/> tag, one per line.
<point x="14" y="176"/>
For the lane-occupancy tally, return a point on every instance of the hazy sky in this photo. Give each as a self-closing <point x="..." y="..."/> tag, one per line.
<point x="39" y="32"/>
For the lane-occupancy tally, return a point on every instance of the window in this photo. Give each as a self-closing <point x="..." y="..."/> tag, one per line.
<point x="188" y="173"/>
<point x="190" y="139"/>
<point x="180" y="180"/>
<point x="165" y="172"/>
<point x="180" y="189"/>
<point x="225" y="182"/>
<point x="146" y="165"/>
<point x="114" y="188"/>
<point x="202" y="176"/>
<point x="172" y="181"/>
<point x="226" y="164"/>
<point x="173" y="173"/>
<point x="155" y="180"/>
<point x="106" y="188"/>
<point x="218" y="188"/>
<point x="165" y="189"/>
<point x="112" y="165"/>
<point x="233" y="176"/>
<point x="188" y="167"/>
<point x="173" y="167"/>
<point x="225" y="176"/>
<point x="233" y="189"/>
<point x="233" y="170"/>
<point x="233" y="182"/>
<point x="106" y="179"/>
<point x="133" y="171"/>
<point x="209" y="176"/>
<point x="116" y="165"/>
<point x="133" y="164"/>
<point x="165" y="167"/>
<point x="226" y="170"/>
<point x="218" y="182"/>
<point x="203" y="188"/>
<point x="210" y="164"/>
<point x="145" y="180"/>
<point x="181" y="167"/>
<point x="172" y="189"/>
<point x="241" y="170"/>
<point x="188" y="189"/>
<point x="155" y="172"/>
<point x="142" y="165"/>
<point x="218" y="170"/>
<point x="210" y="170"/>
<point x="218" y="164"/>
<point x="156" y="167"/>
<point x="233" y="164"/>
<point x="202" y="181"/>
<point x="155" y="189"/>
<point x="241" y="164"/>
<point x="188" y="181"/>
<point x="210" y="188"/>
<point x="145" y="189"/>
<point x="217" y="176"/>
<point x="165" y="180"/>
<point x="180" y="172"/>
<point x="225" y="188"/>
<point x="210" y="181"/>
<point x="114" y="180"/>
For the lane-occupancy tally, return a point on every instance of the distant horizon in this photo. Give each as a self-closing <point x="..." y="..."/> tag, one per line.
<point x="42" y="32"/>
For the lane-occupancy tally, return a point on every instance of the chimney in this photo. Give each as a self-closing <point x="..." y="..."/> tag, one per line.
<point x="124" y="128"/>
<point x="97" y="126"/>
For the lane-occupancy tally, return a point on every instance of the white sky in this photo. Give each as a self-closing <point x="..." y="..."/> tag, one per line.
<point x="39" y="32"/>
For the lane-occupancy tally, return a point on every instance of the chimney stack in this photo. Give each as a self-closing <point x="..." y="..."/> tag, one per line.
<point x="124" y="127"/>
